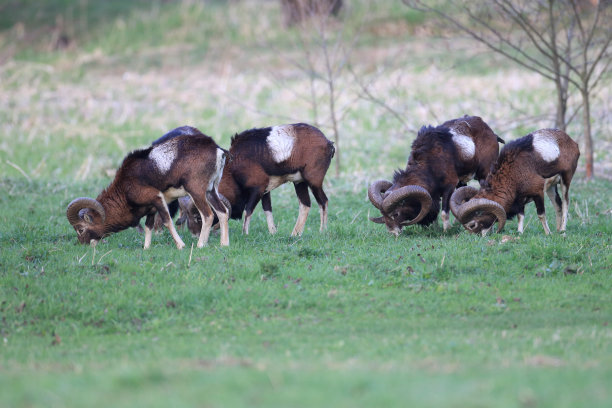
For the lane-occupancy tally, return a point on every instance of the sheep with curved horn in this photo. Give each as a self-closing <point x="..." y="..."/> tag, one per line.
<point x="441" y="159"/>
<point x="526" y="169"/>
<point x="147" y="180"/>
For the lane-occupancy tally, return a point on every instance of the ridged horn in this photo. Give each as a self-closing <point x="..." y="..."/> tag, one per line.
<point x="414" y="192"/>
<point x="375" y="192"/>
<point x="467" y="211"/>
<point x="459" y="197"/>
<point x="76" y="205"/>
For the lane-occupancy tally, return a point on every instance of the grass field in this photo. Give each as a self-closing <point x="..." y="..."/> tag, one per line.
<point x="350" y="317"/>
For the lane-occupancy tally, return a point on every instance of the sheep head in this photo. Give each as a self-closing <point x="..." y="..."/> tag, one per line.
<point x="477" y="214"/>
<point x="87" y="217"/>
<point x="399" y="205"/>
<point x="190" y="214"/>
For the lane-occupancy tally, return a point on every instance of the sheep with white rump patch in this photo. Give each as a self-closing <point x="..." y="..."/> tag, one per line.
<point x="441" y="159"/>
<point x="526" y="169"/>
<point x="263" y="159"/>
<point x="147" y="180"/>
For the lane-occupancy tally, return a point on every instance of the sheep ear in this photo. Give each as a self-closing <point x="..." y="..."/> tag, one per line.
<point x="86" y="216"/>
<point x="377" y="220"/>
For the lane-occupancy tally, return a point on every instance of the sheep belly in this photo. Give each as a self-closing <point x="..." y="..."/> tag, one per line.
<point x="276" y="181"/>
<point x="173" y="193"/>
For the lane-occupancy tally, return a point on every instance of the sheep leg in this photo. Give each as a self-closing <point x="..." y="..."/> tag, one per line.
<point x="207" y="220"/>
<point x="445" y="214"/>
<point x="565" y="183"/>
<point x="222" y="213"/>
<point x="301" y="189"/>
<point x="266" y="203"/>
<point x="149" y="225"/>
<point x="539" y="203"/>
<point x="254" y="196"/>
<point x="199" y="200"/>
<point x="319" y="195"/>
<point x="162" y="209"/>
<point x="553" y="195"/>
<point x="521" y="221"/>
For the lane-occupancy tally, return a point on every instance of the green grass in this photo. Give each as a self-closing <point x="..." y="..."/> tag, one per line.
<point x="349" y="317"/>
<point x="353" y="315"/>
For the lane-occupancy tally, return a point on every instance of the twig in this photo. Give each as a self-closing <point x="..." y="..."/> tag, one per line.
<point x="16" y="167"/>
<point x="355" y="217"/>
<point x="81" y="258"/>
<point x="98" y="263"/>
<point x="296" y="241"/>
<point x="93" y="258"/>
<point x="190" y="254"/>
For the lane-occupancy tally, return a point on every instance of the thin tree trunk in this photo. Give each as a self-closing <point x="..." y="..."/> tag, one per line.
<point x="588" y="140"/>
<point x="336" y="136"/>
<point x="561" y="105"/>
<point x="332" y="112"/>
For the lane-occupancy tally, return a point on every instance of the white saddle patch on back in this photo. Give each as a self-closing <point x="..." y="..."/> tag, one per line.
<point x="465" y="145"/>
<point x="276" y="181"/>
<point x="163" y="156"/>
<point x="546" y="145"/>
<point x="280" y="141"/>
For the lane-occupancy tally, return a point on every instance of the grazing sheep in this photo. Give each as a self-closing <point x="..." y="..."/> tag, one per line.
<point x="441" y="159"/>
<point x="147" y="180"/>
<point x="526" y="169"/>
<point x="262" y="160"/>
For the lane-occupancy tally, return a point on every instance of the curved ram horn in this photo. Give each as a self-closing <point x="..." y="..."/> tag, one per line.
<point x="466" y="212"/>
<point x="377" y="220"/>
<point x="76" y="205"/>
<point x="459" y="197"/>
<point x="415" y="192"/>
<point x="375" y="192"/>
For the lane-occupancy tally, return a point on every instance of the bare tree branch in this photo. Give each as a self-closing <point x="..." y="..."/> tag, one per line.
<point x="580" y="59"/>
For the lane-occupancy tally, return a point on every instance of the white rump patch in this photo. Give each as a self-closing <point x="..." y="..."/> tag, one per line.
<point x="219" y="165"/>
<point x="163" y="155"/>
<point x="280" y="142"/>
<point x="546" y="145"/>
<point x="464" y="144"/>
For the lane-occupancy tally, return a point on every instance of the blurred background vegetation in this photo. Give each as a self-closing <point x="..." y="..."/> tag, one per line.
<point x="81" y="79"/>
